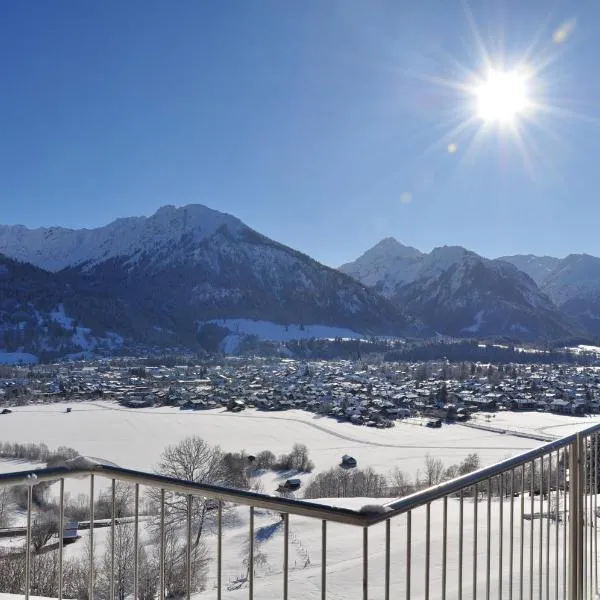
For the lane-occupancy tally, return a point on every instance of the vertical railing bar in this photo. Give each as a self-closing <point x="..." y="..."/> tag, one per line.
<point x="541" y="537"/>
<point x="91" y="551"/>
<point x="286" y="553"/>
<point x="580" y="515"/>
<point x="574" y="522"/>
<point x="556" y="532"/>
<point x="444" y="545"/>
<point x="219" y="549"/>
<point x="532" y="509"/>
<point x="188" y="548"/>
<point x="61" y="535"/>
<point x="511" y="538"/>
<point x="112" y="538"/>
<point x="162" y="544"/>
<point x="388" y="525"/>
<point x="365" y="564"/>
<point x="591" y="525"/>
<point x="323" y="559"/>
<point x="408" y="551"/>
<point x="460" y="543"/>
<point x="475" y="511"/>
<point x="488" y="549"/>
<point x="136" y="542"/>
<point x="427" y="547"/>
<point x="501" y="538"/>
<point x="28" y="542"/>
<point x="566" y="522"/>
<point x="548" y="517"/>
<point x="522" y="536"/>
<point x="251" y="556"/>
<point x="595" y="513"/>
<point x="583" y="530"/>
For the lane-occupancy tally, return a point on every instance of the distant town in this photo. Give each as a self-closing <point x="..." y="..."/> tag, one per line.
<point x="373" y="394"/>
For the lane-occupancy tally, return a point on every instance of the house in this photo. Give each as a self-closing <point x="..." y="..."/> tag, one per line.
<point x="70" y="534"/>
<point x="236" y="405"/>
<point x="348" y="462"/>
<point x="290" y="485"/>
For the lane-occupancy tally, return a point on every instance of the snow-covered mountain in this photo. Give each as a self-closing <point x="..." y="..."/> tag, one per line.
<point x="572" y="283"/>
<point x="537" y="267"/>
<point x="155" y="280"/>
<point x="457" y="292"/>
<point x="56" y="248"/>
<point x="385" y="265"/>
<point x="574" y="286"/>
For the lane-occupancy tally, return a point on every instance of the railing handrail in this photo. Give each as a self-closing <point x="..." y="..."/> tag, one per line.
<point x="371" y="515"/>
<point x="243" y="497"/>
<point x="446" y="488"/>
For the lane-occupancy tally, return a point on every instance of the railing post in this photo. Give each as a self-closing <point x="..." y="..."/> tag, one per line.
<point x="576" y="492"/>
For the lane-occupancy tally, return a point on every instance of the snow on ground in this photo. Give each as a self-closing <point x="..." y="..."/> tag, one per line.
<point x="344" y="552"/>
<point x="10" y="466"/>
<point x="267" y="330"/>
<point x="135" y="438"/>
<point x="14" y="358"/>
<point x="536" y="422"/>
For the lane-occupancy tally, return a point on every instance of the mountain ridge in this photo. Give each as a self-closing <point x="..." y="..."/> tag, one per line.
<point x="156" y="280"/>
<point x="458" y="292"/>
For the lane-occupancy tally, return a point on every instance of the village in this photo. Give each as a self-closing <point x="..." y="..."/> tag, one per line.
<point x="368" y="394"/>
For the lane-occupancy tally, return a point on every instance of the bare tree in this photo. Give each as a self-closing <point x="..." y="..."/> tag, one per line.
<point x="124" y="495"/>
<point x="191" y="460"/>
<point x="124" y="554"/>
<point x="471" y="463"/>
<point x="400" y="483"/>
<point x="147" y="581"/>
<point x="6" y="507"/>
<point x="299" y="458"/>
<point x="44" y="527"/>
<point x="434" y="470"/>
<point x="77" y="573"/>
<point x="175" y="565"/>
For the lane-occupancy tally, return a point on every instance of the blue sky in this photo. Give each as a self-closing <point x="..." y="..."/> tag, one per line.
<point x="323" y="124"/>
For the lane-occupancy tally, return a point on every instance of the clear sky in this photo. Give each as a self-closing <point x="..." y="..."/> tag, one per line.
<point x="325" y="124"/>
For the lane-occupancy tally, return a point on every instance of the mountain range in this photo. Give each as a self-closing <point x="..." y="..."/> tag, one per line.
<point x="166" y="280"/>
<point x="459" y="293"/>
<point x="179" y="278"/>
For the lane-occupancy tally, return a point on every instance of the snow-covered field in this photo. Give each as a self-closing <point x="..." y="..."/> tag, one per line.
<point x="537" y="422"/>
<point x="135" y="438"/>
<point x="344" y="553"/>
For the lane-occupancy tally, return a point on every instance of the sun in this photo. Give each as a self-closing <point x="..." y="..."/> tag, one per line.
<point x="502" y="96"/>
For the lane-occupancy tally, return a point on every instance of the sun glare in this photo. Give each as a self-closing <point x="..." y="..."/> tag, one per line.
<point x="501" y="96"/>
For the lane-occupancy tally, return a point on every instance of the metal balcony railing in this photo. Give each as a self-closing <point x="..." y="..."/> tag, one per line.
<point x="525" y="527"/>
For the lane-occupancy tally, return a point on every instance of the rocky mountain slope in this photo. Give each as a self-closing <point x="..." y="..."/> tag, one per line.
<point x="537" y="267"/>
<point x="155" y="280"/>
<point x="459" y="293"/>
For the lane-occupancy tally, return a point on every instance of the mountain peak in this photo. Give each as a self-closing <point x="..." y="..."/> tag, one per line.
<point x="57" y="248"/>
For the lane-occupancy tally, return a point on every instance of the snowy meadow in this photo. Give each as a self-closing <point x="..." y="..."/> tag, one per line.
<point x="136" y="438"/>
